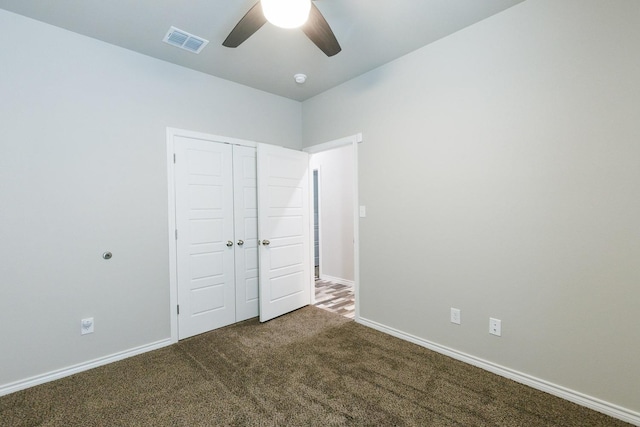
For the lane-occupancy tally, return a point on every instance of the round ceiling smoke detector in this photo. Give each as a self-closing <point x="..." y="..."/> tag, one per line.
<point x="300" y="78"/>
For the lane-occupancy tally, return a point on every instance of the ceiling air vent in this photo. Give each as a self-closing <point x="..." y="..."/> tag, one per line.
<point x="184" y="40"/>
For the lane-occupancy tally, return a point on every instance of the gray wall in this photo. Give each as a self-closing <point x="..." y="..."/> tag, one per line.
<point x="500" y="170"/>
<point x="82" y="171"/>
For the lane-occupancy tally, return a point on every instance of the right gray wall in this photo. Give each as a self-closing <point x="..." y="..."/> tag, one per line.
<point x="500" y="169"/>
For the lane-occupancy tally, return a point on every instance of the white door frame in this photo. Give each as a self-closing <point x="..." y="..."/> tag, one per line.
<point x="352" y="140"/>
<point x="319" y="170"/>
<point x="173" y="270"/>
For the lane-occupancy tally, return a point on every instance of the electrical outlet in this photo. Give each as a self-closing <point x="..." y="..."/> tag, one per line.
<point x="455" y="315"/>
<point x="495" y="326"/>
<point x="86" y="326"/>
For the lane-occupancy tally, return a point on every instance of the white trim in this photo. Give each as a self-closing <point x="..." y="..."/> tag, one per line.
<point x="352" y="140"/>
<point x="85" y="366"/>
<point x="210" y="137"/>
<point x="338" y="280"/>
<point x="312" y="255"/>
<point x="319" y="170"/>
<point x="313" y="231"/>
<point x="171" y="206"/>
<point x="531" y="381"/>
<point x="336" y="143"/>
<point x="356" y="227"/>
<point x="171" y="209"/>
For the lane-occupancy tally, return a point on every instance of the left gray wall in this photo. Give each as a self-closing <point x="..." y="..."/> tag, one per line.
<point x="83" y="171"/>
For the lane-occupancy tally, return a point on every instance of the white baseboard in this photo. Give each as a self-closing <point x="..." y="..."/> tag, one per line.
<point x="65" y="372"/>
<point x="590" y="402"/>
<point x="337" y="280"/>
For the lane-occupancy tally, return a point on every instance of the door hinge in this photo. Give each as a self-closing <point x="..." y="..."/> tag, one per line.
<point x="176" y="234"/>
<point x="174" y="157"/>
<point x="178" y="308"/>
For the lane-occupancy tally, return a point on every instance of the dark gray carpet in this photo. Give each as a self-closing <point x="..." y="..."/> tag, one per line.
<point x="308" y="368"/>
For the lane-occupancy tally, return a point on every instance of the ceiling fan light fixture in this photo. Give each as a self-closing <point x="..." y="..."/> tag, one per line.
<point x="286" y="13"/>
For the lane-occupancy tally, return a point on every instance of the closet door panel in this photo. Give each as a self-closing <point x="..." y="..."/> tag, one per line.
<point x="204" y="221"/>
<point x="246" y="231"/>
<point x="284" y="226"/>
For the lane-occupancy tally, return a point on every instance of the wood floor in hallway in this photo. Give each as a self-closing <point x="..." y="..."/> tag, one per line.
<point x="336" y="298"/>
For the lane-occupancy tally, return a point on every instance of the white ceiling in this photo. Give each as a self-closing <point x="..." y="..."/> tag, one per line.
<point x="371" y="33"/>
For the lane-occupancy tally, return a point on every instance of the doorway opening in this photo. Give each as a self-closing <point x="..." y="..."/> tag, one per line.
<point x="334" y="202"/>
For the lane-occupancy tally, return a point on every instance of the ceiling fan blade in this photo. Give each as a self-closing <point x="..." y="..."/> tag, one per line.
<point x="251" y="22"/>
<point x="319" y="32"/>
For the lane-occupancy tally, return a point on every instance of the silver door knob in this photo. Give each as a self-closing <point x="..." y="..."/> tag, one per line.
<point x="240" y="242"/>
<point x="266" y="242"/>
<point x="229" y="243"/>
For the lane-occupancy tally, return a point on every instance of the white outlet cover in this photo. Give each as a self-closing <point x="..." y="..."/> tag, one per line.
<point x="86" y="326"/>
<point x="363" y="212"/>
<point x="455" y="315"/>
<point x="495" y="326"/>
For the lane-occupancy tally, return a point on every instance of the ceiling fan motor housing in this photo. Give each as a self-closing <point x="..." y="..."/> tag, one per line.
<point x="286" y="13"/>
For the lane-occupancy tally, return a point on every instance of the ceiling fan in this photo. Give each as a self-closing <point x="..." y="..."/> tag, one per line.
<point x="316" y="29"/>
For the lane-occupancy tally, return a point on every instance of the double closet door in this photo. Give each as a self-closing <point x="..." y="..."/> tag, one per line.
<point x="217" y="234"/>
<point x="242" y="233"/>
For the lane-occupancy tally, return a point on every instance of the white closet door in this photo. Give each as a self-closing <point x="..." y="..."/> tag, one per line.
<point x="246" y="231"/>
<point x="205" y="248"/>
<point x="284" y="229"/>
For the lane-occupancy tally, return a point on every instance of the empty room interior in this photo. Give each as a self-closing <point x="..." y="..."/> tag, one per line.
<point x="494" y="203"/>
